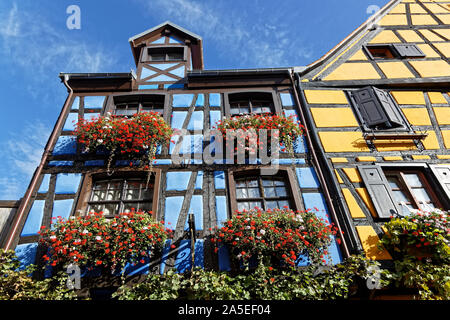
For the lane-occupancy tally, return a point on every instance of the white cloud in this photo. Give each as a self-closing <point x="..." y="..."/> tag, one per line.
<point x="31" y="43"/>
<point x="22" y="151"/>
<point x="236" y="33"/>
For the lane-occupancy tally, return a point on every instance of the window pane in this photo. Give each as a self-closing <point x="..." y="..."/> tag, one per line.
<point x="254" y="204"/>
<point x="175" y="56"/>
<point x="281" y="192"/>
<point x="241" y="193"/>
<point x="267" y="182"/>
<point x="393" y="182"/>
<point x="283" y="203"/>
<point x="269" y="192"/>
<point x="253" y="183"/>
<point x="99" y="195"/>
<point x="400" y="196"/>
<point x="243" y="206"/>
<point x="108" y="209"/>
<point x="272" y="204"/>
<point x="241" y="184"/>
<point x="131" y="194"/>
<point x="253" y="193"/>
<point x="413" y="180"/>
<point x="157" y="57"/>
<point x="421" y="195"/>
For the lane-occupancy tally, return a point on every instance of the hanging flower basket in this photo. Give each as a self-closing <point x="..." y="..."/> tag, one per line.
<point x="93" y="241"/>
<point x="274" y="236"/>
<point x="136" y="138"/>
<point x="288" y="130"/>
<point x="420" y="235"/>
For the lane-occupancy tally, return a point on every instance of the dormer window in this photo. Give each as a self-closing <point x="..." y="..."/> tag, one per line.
<point x="164" y="54"/>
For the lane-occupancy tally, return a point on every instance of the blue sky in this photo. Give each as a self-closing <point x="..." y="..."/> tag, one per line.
<point x="35" y="45"/>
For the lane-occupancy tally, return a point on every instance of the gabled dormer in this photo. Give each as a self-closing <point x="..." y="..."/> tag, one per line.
<point x="164" y="54"/>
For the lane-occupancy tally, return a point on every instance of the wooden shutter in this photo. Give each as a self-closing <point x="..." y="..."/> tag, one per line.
<point x="442" y="173"/>
<point x="379" y="190"/>
<point x="369" y="107"/>
<point x="408" y="50"/>
<point x="390" y="107"/>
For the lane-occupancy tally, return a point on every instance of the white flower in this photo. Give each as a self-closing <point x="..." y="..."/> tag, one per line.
<point x="84" y="231"/>
<point x="98" y="238"/>
<point x="100" y="140"/>
<point x="262" y="231"/>
<point x="53" y="237"/>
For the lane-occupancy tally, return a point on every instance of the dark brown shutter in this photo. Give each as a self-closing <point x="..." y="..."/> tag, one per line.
<point x="369" y="107"/>
<point x="442" y="173"/>
<point x="408" y="50"/>
<point x="390" y="107"/>
<point x="379" y="190"/>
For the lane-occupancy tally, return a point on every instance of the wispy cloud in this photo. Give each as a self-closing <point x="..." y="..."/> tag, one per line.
<point x="29" y="42"/>
<point x="22" y="151"/>
<point x="255" y="44"/>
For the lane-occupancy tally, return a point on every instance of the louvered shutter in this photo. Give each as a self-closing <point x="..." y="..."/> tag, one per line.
<point x="369" y="107"/>
<point x="442" y="173"/>
<point x="408" y="50"/>
<point x="379" y="190"/>
<point x="390" y="107"/>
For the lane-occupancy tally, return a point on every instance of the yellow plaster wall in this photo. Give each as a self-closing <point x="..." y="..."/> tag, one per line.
<point x="355" y="210"/>
<point x="343" y="141"/>
<point x="410" y="35"/>
<point x="385" y="36"/>
<point x="366" y="159"/>
<point x="352" y="174"/>
<point x="431" y="142"/>
<point x="417" y="116"/>
<point x="359" y="55"/>
<point x="446" y="137"/>
<point x="334" y="117"/>
<point x="442" y="115"/>
<point x="392" y="158"/>
<point x="422" y="19"/>
<point x="409" y="97"/>
<point x="443" y="47"/>
<point x="369" y="241"/>
<point x="438" y="68"/>
<point x="325" y="97"/>
<point x="395" y="70"/>
<point x="437" y="98"/>
<point x="339" y="160"/>
<point x="421" y="157"/>
<point x="362" y="192"/>
<point x="394" y="20"/>
<point x="394" y="145"/>
<point x="349" y="71"/>
<point x="428" y="51"/>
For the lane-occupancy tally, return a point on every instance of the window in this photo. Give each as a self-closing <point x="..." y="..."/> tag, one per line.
<point x="412" y="189"/>
<point x="377" y="110"/>
<point x="128" y="105"/>
<point x="261" y="192"/>
<point x="250" y="189"/>
<point x="121" y="195"/>
<point x="394" y="51"/>
<point x="124" y="190"/>
<point x="159" y="54"/>
<point x="250" y="103"/>
<point x="418" y="186"/>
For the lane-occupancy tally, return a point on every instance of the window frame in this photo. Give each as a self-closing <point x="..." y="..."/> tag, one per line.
<point x="286" y="173"/>
<point x="90" y="178"/>
<point x="138" y="98"/>
<point x="146" y="56"/>
<point x="405" y="126"/>
<point x="396" y="49"/>
<point x="406" y="188"/>
<point x="375" y="181"/>
<point x="277" y="110"/>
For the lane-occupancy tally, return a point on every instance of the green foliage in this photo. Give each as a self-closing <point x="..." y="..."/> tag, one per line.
<point x="308" y="283"/>
<point x="17" y="284"/>
<point x="419" y="244"/>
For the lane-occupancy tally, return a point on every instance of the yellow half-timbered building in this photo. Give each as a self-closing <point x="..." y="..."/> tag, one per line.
<point x="379" y="108"/>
